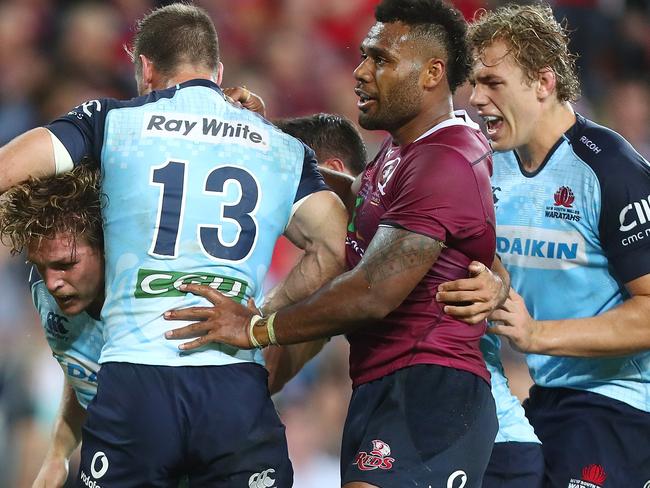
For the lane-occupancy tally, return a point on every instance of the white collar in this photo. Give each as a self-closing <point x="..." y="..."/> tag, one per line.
<point x="461" y="117"/>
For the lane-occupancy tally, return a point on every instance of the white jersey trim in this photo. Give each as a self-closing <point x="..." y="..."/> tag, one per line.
<point x="461" y="117"/>
<point x="62" y="159"/>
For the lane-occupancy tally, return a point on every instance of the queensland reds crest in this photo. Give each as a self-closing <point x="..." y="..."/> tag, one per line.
<point x="387" y="173"/>
<point x="378" y="457"/>
<point x="564" y="197"/>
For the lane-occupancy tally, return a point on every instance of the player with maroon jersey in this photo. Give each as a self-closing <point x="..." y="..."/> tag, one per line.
<point x="421" y="413"/>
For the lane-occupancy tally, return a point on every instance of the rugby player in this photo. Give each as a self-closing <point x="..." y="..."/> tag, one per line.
<point x="421" y="212"/>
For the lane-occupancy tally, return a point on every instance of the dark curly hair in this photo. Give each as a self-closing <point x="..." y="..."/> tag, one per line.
<point x="536" y="40"/>
<point x="438" y="21"/>
<point x="39" y="209"/>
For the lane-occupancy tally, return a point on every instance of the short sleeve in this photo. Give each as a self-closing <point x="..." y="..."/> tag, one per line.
<point x="311" y="181"/>
<point x="81" y="131"/>
<point x="625" y="216"/>
<point x="435" y="193"/>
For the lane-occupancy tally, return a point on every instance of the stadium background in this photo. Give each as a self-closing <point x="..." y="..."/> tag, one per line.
<point x="299" y="55"/>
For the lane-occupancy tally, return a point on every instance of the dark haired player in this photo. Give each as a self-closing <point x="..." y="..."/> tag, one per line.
<point x="335" y="140"/>
<point x="198" y="191"/>
<point x="421" y="412"/>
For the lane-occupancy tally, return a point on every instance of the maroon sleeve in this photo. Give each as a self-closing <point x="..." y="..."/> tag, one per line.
<point x="436" y="194"/>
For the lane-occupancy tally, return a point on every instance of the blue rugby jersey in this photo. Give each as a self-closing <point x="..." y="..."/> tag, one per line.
<point x="513" y="424"/>
<point x="76" y="342"/>
<point x="571" y="235"/>
<point x="198" y="191"/>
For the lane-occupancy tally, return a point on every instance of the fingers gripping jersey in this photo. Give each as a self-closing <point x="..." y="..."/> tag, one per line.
<point x="76" y="342"/>
<point x="571" y="235"/>
<point x="198" y="191"/>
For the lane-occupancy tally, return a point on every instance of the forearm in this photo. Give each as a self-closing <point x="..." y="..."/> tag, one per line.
<point x="312" y="271"/>
<point x="66" y="435"/>
<point x="392" y="266"/>
<point x="621" y="331"/>
<point x="29" y="154"/>
<point x="342" y="305"/>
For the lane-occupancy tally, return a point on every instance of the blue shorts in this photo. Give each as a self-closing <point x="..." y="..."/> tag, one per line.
<point x="424" y="425"/>
<point x="589" y="439"/>
<point x="151" y="425"/>
<point x="515" y="465"/>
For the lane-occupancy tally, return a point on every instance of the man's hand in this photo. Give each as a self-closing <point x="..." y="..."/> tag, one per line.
<point x="482" y="293"/>
<point x="513" y="321"/>
<point x="225" y="323"/>
<point x="247" y="99"/>
<point x="53" y="473"/>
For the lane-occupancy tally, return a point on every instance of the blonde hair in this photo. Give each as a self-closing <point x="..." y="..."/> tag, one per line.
<point x="39" y="209"/>
<point x="536" y="41"/>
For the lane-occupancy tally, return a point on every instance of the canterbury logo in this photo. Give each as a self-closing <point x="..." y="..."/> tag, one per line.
<point x="262" y="480"/>
<point x="55" y="324"/>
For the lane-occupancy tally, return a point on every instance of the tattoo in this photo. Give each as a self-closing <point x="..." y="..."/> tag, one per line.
<point x="393" y="251"/>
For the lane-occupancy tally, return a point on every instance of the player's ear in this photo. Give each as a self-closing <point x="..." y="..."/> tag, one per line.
<point x="334" y="163"/>
<point x="433" y="72"/>
<point x="147" y="70"/>
<point x="219" y="73"/>
<point x="546" y="83"/>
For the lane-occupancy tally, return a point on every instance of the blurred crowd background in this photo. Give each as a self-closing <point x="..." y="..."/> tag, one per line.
<point x="299" y="55"/>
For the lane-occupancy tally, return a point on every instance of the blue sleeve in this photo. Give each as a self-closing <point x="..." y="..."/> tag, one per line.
<point x="81" y="130"/>
<point x="625" y="213"/>
<point x="311" y="181"/>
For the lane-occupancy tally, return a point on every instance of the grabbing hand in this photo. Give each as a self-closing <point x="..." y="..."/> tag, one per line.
<point x="473" y="298"/>
<point x="246" y="98"/>
<point x="225" y="323"/>
<point x="513" y="321"/>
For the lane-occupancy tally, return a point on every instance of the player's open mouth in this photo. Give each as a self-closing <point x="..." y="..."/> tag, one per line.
<point x="364" y="99"/>
<point x="65" y="300"/>
<point x="492" y="123"/>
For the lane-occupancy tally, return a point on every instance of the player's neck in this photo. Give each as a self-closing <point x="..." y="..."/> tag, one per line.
<point x="95" y="308"/>
<point x="183" y="75"/>
<point x="548" y="131"/>
<point x="424" y="121"/>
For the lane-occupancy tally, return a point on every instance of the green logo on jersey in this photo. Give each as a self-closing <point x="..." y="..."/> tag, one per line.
<point x="154" y="284"/>
<point x="357" y="204"/>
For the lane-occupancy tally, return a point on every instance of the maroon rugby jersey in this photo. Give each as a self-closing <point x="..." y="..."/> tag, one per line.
<point x="438" y="186"/>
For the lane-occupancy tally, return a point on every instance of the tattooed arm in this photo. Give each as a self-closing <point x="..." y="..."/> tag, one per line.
<point x="394" y="263"/>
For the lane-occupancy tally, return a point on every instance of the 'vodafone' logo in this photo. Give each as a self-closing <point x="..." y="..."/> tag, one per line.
<point x="98" y="473"/>
<point x="451" y="481"/>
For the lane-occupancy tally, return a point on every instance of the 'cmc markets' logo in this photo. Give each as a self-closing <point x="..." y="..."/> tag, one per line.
<point x="593" y="476"/>
<point x="54" y="325"/>
<point x="378" y="457"/>
<point x="562" y="207"/>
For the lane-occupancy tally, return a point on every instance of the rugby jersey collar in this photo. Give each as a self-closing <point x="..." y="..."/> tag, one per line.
<point x="461" y="117"/>
<point x="199" y="82"/>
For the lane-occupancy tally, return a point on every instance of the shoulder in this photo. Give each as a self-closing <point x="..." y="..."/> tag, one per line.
<point x="612" y="158"/>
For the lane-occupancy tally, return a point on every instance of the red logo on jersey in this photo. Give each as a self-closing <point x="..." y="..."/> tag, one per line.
<point x="594" y="473"/>
<point x="378" y="457"/>
<point x="564" y="197"/>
